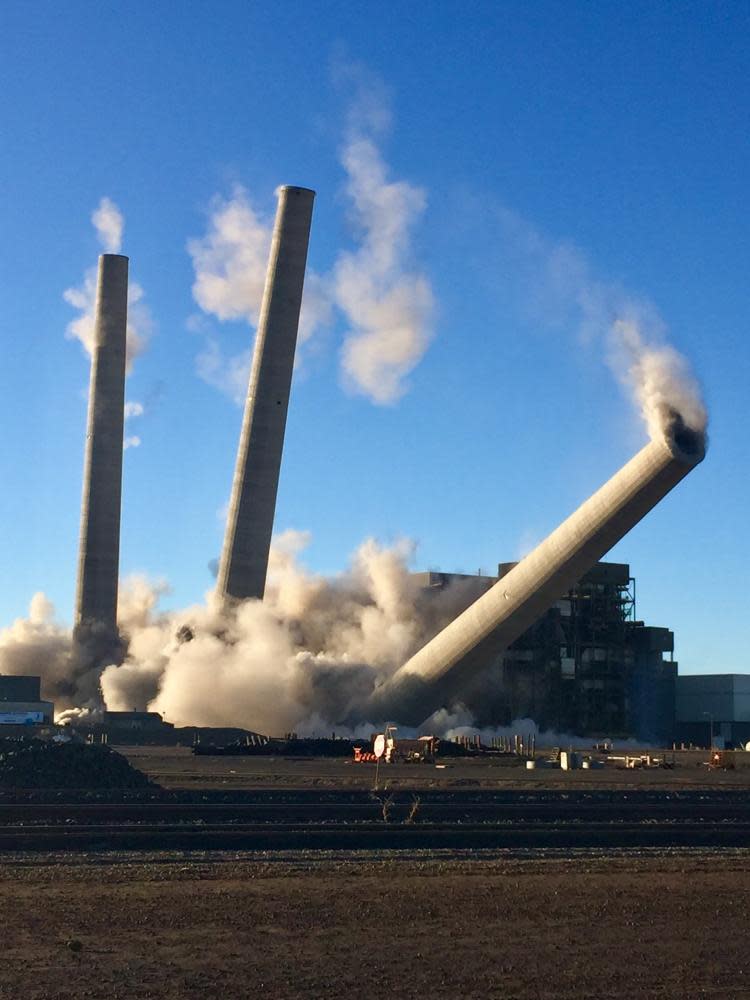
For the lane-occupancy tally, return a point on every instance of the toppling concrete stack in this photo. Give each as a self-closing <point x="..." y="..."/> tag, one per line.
<point x="244" y="557"/>
<point x="96" y="637"/>
<point x="434" y="675"/>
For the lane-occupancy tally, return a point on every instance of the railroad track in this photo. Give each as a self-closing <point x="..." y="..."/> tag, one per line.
<point x="386" y="821"/>
<point x="397" y="808"/>
<point x="367" y="836"/>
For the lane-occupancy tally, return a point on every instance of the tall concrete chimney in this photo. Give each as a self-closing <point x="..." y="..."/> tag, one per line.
<point x="244" y="557"/>
<point x="99" y="555"/>
<point x="436" y="672"/>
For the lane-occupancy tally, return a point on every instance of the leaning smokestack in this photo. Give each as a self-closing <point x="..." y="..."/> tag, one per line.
<point x="96" y="634"/>
<point x="244" y="557"/>
<point x="436" y="672"/>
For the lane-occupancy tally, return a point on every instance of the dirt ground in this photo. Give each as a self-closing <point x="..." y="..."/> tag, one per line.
<point x="587" y="925"/>
<point x="177" y="767"/>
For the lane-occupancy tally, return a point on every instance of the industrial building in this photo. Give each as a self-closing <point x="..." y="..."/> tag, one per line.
<point x="713" y="707"/>
<point x="587" y="666"/>
<point x="21" y="702"/>
<point x="554" y="637"/>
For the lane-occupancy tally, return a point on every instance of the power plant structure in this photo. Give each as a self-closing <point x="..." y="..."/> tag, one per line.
<point x="244" y="557"/>
<point x="590" y="667"/>
<point x="95" y="627"/>
<point x="451" y="660"/>
<point x="587" y="666"/>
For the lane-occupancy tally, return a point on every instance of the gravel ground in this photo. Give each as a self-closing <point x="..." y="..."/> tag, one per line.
<point x="176" y="767"/>
<point x="439" y="924"/>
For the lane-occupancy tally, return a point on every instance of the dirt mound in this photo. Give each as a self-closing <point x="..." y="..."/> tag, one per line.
<point x="38" y="764"/>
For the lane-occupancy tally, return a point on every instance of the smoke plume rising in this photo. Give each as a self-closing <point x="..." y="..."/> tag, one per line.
<point x="109" y="224"/>
<point x="561" y="287"/>
<point x="658" y="376"/>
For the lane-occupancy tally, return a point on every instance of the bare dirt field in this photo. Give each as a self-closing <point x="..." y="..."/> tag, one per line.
<point x="595" y="910"/>
<point x="177" y="767"/>
<point x="483" y="924"/>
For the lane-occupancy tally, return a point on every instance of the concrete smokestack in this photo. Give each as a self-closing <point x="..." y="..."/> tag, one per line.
<point x="99" y="554"/>
<point x="499" y="617"/>
<point x="244" y="557"/>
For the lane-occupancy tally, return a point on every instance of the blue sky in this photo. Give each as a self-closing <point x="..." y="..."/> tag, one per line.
<point x="611" y="137"/>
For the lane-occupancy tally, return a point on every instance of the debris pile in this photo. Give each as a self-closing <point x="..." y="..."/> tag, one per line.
<point x="32" y="763"/>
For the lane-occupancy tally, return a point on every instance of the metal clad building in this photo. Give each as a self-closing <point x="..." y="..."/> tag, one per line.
<point x="19" y="688"/>
<point x="587" y="666"/>
<point x="713" y="704"/>
<point x="20" y="701"/>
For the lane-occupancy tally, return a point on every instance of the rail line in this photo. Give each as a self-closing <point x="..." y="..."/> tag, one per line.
<point x="375" y="820"/>
<point x="367" y="836"/>
<point x="371" y="809"/>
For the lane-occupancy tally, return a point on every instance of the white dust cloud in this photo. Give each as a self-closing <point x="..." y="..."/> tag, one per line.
<point x="39" y="646"/>
<point x="658" y="376"/>
<point x="133" y="410"/>
<point x="229" y="374"/>
<point x="230" y="263"/>
<point x="230" y="260"/>
<point x="385" y="301"/>
<point x="458" y="721"/>
<point x="109" y="224"/>
<point x="388" y="304"/>
<point x="312" y="650"/>
<point x="308" y="656"/>
<point x="561" y="286"/>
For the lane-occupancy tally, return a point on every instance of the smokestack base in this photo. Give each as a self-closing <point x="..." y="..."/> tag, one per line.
<point x="96" y="645"/>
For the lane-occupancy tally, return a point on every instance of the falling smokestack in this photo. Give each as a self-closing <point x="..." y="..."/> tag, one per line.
<point x="244" y="557"/>
<point x="437" y="671"/>
<point x="99" y="555"/>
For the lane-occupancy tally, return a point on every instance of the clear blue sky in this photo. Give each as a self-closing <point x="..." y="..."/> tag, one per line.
<point x="616" y="130"/>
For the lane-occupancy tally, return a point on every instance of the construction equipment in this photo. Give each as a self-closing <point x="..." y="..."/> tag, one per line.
<point x="721" y="760"/>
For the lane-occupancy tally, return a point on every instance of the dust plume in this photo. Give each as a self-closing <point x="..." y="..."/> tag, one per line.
<point x="306" y="658"/>
<point x="133" y="410"/>
<point x="40" y="646"/>
<point x="230" y="263"/>
<point x="109" y="224"/>
<point x="659" y="378"/>
<point x="313" y="649"/>
<point x="459" y="721"/>
<point x="560" y="286"/>
<point x="387" y="302"/>
<point x="230" y="260"/>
